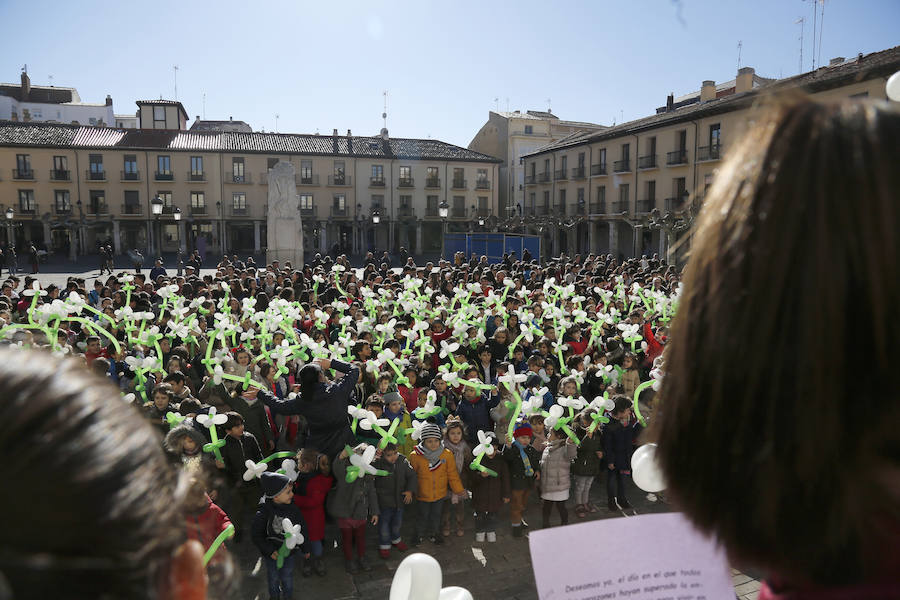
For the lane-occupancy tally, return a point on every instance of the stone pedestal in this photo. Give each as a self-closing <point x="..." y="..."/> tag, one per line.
<point x="284" y="228"/>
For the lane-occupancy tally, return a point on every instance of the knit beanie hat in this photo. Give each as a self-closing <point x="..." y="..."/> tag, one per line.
<point x="430" y="430"/>
<point x="523" y="428"/>
<point x="273" y="483"/>
<point x="392" y="396"/>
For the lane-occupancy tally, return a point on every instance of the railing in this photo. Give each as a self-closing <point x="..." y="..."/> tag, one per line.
<point x="199" y="210"/>
<point x="168" y="210"/>
<point x="431" y="211"/>
<point x="23" y="173"/>
<point x="232" y="178"/>
<point x="129" y="208"/>
<point x="577" y="172"/>
<point x="97" y="209"/>
<point x="709" y="152"/>
<point x="460" y="184"/>
<point x="376" y="181"/>
<point x="239" y="211"/>
<point x="482" y="184"/>
<point x="192" y="176"/>
<point x="646" y="205"/>
<point x="95" y="175"/>
<point x="678" y="157"/>
<point x="647" y="162"/>
<point x="482" y="212"/>
<point x="457" y="213"/>
<point x="543" y="209"/>
<point x="530" y="179"/>
<point x="676" y="204"/>
<point x="130" y="175"/>
<point x="621" y="166"/>
<point x="311" y="179"/>
<point x="406" y="211"/>
<point x="60" y="175"/>
<point x="339" y="211"/>
<point x="28" y="209"/>
<point x="577" y="208"/>
<point x="62" y="210"/>
<point x="308" y="211"/>
<point x="598" y="169"/>
<point x="338" y="180"/>
<point x="544" y="177"/>
<point x="560" y="209"/>
<point x="163" y="176"/>
<point x="560" y="174"/>
<point x="621" y="206"/>
<point x="432" y="182"/>
<point x="598" y="208"/>
<point x="406" y="182"/>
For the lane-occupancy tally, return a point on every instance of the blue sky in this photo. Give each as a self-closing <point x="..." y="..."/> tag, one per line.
<point x="325" y="64"/>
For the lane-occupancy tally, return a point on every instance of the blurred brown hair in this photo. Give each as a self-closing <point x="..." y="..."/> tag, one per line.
<point x="793" y="276"/>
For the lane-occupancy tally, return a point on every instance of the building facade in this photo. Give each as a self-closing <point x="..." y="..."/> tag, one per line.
<point x="49" y="104"/>
<point x="70" y="187"/>
<point x="511" y="135"/>
<point x="633" y="189"/>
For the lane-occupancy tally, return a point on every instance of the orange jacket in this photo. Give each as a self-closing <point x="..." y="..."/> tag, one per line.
<point x="433" y="483"/>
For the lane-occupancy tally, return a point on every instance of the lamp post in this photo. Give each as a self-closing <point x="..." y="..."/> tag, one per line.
<point x="156" y="207"/>
<point x="443" y="213"/>
<point x="376" y="219"/>
<point x="221" y="226"/>
<point x="10" y="213"/>
<point x="176" y="214"/>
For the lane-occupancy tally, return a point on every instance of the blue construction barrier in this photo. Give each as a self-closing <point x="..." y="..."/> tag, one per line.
<point x="492" y="245"/>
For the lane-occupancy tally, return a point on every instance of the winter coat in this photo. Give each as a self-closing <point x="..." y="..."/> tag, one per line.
<point x="255" y="419"/>
<point x="587" y="463"/>
<point x="157" y="417"/>
<point x="488" y="492"/>
<point x="517" y="478"/>
<point x="618" y="445"/>
<point x="405" y="443"/>
<point x="267" y="530"/>
<point x="410" y="396"/>
<point x="433" y="483"/>
<point x="325" y="413"/>
<point x="356" y="500"/>
<point x="390" y="489"/>
<point x="215" y="395"/>
<point x="206" y="525"/>
<point x="236" y="453"/>
<point x="556" y="465"/>
<point x="312" y="503"/>
<point x="203" y="463"/>
<point x="477" y="415"/>
<point x="631" y="379"/>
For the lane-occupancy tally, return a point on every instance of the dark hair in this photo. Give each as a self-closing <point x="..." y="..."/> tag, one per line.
<point x="233" y="420"/>
<point x="177" y="376"/>
<point x="77" y="445"/>
<point x="794" y="249"/>
<point x="309" y="378"/>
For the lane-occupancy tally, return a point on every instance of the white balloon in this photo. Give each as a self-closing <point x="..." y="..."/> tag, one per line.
<point x="645" y="469"/>
<point x="419" y="577"/>
<point x="893" y="87"/>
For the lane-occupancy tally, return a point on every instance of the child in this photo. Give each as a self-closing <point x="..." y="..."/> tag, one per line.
<point x="184" y="445"/>
<point x="239" y="447"/>
<point x="446" y="397"/>
<point x="156" y="410"/>
<point x="410" y="391"/>
<point x="489" y="493"/>
<point x="587" y="463"/>
<point x="393" y="491"/>
<point x="462" y="454"/>
<point x="370" y="436"/>
<point x="617" y="447"/>
<point x="538" y="434"/>
<point x="203" y="519"/>
<point x="524" y="470"/>
<point x="475" y="410"/>
<point x="435" y="469"/>
<point x="310" y="490"/>
<point x="437" y="419"/>
<point x="631" y="379"/>
<point x="351" y="504"/>
<point x="268" y="532"/>
<point x="396" y="409"/>
<point x="556" y="463"/>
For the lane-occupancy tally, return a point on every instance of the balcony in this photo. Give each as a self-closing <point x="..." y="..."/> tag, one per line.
<point x="679" y="157"/>
<point x="622" y="166"/>
<point x="132" y="209"/>
<point x="95" y="175"/>
<point x="235" y="178"/>
<point x="647" y="162"/>
<point x="130" y="175"/>
<point x="578" y="208"/>
<point x="195" y="176"/>
<point x="530" y="211"/>
<point x="542" y="210"/>
<point x="431" y="211"/>
<point x="376" y="181"/>
<point x="482" y="184"/>
<point x="560" y="174"/>
<point x="339" y="211"/>
<point x="23" y="174"/>
<point x="239" y="211"/>
<point x="544" y="177"/>
<point x="530" y="179"/>
<point x="339" y="180"/>
<point x="432" y="182"/>
<point x="646" y="205"/>
<point x="28" y="209"/>
<point x="101" y="208"/>
<point x="458" y="212"/>
<point x="674" y="205"/>
<point x="578" y="172"/>
<point x="406" y="182"/>
<point x="308" y="211"/>
<point x="62" y="210"/>
<point x="560" y="209"/>
<point x="60" y="175"/>
<point x="621" y="206"/>
<point x="199" y="210"/>
<point x="460" y="184"/>
<point x="598" y="169"/>
<point x="405" y="212"/>
<point x="303" y="179"/>
<point x="705" y="153"/>
<point x="598" y="208"/>
<point x="163" y="176"/>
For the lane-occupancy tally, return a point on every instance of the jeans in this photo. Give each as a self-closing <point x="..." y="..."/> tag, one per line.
<point x="389" y="522"/>
<point x="485" y="521"/>
<point x="615" y="479"/>
<point x="583" y="489"/>
<point x="315" y="548"/>
<point x="428" y="518"/>
<point x="281" y="581"/>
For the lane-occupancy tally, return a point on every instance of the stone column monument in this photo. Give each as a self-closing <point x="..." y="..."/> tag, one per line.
<point x="285" y="230"/>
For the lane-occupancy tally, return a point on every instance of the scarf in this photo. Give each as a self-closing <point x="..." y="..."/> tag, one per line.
<point x="433" y="457"/>
<point x="459" y="452"/>
<point x="529" y="470"/>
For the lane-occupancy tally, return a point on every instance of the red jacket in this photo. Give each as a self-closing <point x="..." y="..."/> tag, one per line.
<point x="312" y="505"/>
<point x="654" y="348"/>
<point x="410" y="397"/>
<point x="205" y="526"/>
<point x="436" y="339"/>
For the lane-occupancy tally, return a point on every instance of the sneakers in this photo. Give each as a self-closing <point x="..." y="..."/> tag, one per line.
<point x="350" y="567"/>
<point x="591" y="508"/>
<point x="400" y="546"/>
<point x="491" y="536"/>
<point x="612" y="505"/>
<point x="460" y="532"/>
<point x="623" y="503"/>
<point x="415" y="540"/>
<point x="319" y="566"/>
<point x="580" y="511"/>
<point x="307" y="568"/>
<point x="436" y="540"/>
<point x="479" y="536"/>
<point x="363" y="564"/>
<point x="384" y="553"/>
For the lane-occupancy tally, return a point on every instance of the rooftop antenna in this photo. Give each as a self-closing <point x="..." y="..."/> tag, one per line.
<point x="507" y="104"/>
<point x="384" y="114"/>
<point x="821" y="24"/>
<point x="549" y="110"/>
<point x="204" y="106"/>
<point x="175" y="69"/>
<point x="800" y="22"/>
<point x="50" y="77"/>
<point x="276" y="122"/>
<point x="496" y="103"/>
<point x="815" y="12"/>
<point x="740" y="47"/>
<point x="25" y="69"/>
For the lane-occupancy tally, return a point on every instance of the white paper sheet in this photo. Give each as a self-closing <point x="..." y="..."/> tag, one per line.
<point x="648" y="557"/>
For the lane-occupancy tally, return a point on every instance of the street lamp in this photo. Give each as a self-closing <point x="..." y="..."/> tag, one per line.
<point x="176" y="214"/>
<point x="443" y="213"/>
<point x="156" y="207"/>
<point x="376" y="217"/>
<point x="10" y="213"/>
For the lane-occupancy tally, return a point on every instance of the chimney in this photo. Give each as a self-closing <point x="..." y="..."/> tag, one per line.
<point x="670" y="102"/>
<point x="26" y="86"/>
<point x="384" y="133"/>
<point x="708" y="91"/>
<point x="335" y="132"/>
<point x="836" y="61"/>
<point x="349" y="133"/>
<point x="744" y="81"/>
<point x="108" y="100"/>
<point x="197" y="118"/>
<point x="230" y="118"/>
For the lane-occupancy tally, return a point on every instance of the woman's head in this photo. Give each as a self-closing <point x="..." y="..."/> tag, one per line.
<point x="454" y="430"/>
<point x="796" y="247"/>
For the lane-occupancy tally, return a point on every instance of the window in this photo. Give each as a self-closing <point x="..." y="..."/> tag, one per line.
<point x="482" y="205"/>
<point x="652" y="146"/>
<point x="377" y="202"/>
<point x="529" y="130"/>
<point x="26" y="201"/>
<point x="546" y="165"/>
<point x="626" y="152"/>
<point x="339" y="204"/>
<point x="339" y="173"/>
<point x="432" y="179"/>
<point x="271" y="162"/>
<point x="96" y="166"/>
<point x="547" y="201"/>
<point x="239" y="202"/>
<point x="159" y="117"/>
<point x="405" y="206"/>
<point x="681" y="140"/>
<point x="60" y="163"/>
<point x="581" y="160"/>
<point x="163" y="167"/>
<point x="459" y="206"/>
<point x="531" y="199"/>
<point x="62" y="201"/>
<point x="481" y="176"/>
<point x="715" y="135"/>
<point x="623" y="195"/>
<point x="306" y="174"/>
<point x="405" y="173"/>
<point x="601" y="197"/>
<point x="651" y="190"/>
<point x="198" y="202"/>
<point x="132" y="203"/>
<point x="306" y="202"/>
<point x="562" y="199"/>
<point x="431" y="205"/>
<point x="130" y="168"/>
<point x="707" y="183"/>
<point x="564" y="163"/>
<point x="580" y="197"/>
<point x="680" y="185"/>
<point x="602" y="157"/>
<point x="459" y="178"/>
<point x="96" y="202"/>
<point x="237" y="170"/>
<point x="533" y="169"/>
<point x="170" y="233"/>
<point x="166" y="197"/>
<point x="378" y="174"/>
<point x="197" y="166"/>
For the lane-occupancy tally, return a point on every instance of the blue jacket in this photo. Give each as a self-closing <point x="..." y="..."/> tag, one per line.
<point x="618" y="444"/>
<point x="477" y="415"/>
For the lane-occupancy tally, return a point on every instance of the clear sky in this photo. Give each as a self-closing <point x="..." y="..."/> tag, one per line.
<point x="321" y="65"/>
